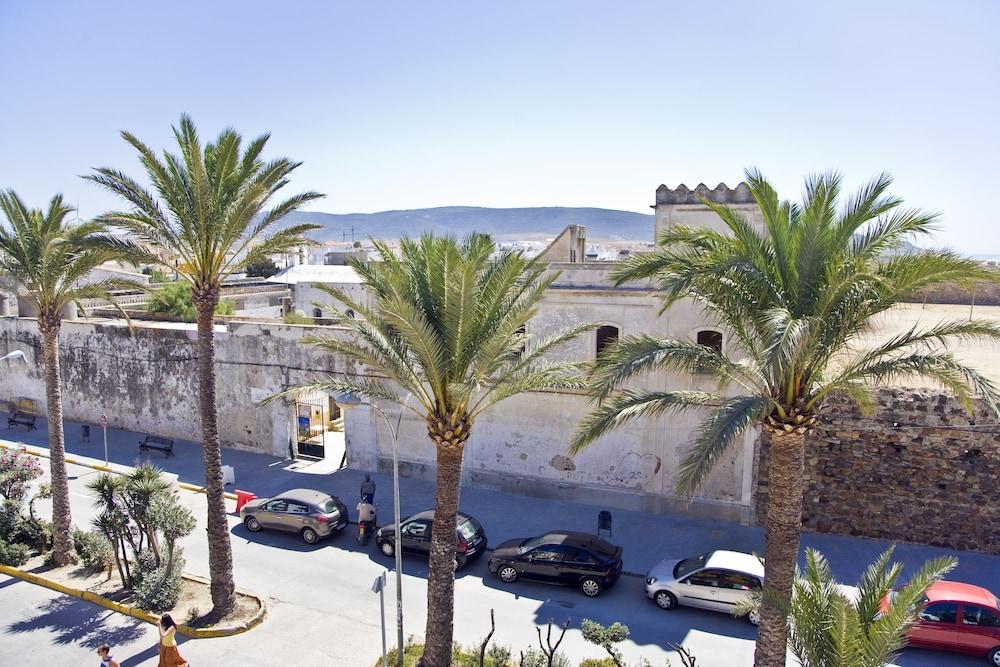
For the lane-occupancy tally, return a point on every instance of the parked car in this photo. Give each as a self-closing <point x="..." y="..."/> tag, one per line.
<point x="311" y="514"/>
<point x="560" y="557"/>
<point x="415" y="537"/>
<point x="958" y="617"/>
<point x="716" y="580"/>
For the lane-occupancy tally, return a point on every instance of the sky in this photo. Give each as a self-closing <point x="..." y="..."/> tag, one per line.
<point x="543" y="103"/>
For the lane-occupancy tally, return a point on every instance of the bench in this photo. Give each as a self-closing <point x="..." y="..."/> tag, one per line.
<point x="165" y="445"/>
<point x="22" y="419"/>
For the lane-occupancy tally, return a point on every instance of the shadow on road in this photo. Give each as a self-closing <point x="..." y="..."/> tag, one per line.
<point x="70" y="620"/>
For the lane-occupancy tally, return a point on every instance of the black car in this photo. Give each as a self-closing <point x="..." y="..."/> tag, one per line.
<point x="560" y="557"/>
<point x="416" y="537"/>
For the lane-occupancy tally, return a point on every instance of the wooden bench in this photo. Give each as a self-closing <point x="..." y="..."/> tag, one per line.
<point x="22" y="419"/>
<point x="165" y="445"/>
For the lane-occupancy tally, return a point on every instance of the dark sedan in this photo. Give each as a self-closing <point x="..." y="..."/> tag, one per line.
<point x="416" y="537"/>
<point x="560" y="557"/>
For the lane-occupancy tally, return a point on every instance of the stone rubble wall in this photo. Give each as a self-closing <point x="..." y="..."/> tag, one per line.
<point x="921" y="469"/>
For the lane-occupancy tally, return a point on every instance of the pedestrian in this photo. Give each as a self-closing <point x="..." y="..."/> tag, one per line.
<point x="368" y="489"/>
<point x="169" y="655"/>
<point x="106" y="660"/>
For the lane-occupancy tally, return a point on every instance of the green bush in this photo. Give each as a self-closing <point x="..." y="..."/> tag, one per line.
<point x="155" y="589"/>
<point x="598" y="662"/>
<point x="295" y="317"/>
<point x="33" y="533"/>
<point x="94" y="550"/>
<point x="10" y="516"/>
<point x="533" y="657"/>
<point x="13" y="554"/>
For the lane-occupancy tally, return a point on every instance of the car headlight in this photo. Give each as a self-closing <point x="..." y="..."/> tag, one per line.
<point x="650" y="580"/>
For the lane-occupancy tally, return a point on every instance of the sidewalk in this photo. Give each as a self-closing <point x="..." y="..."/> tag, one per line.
<point x="646" y="538"/>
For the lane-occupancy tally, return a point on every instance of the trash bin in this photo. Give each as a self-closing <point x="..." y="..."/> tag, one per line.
<point x="604" y="522"/>
<point x="242" y="498"/>
<point x="85" y="432"/>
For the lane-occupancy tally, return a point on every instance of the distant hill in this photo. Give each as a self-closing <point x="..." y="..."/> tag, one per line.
<point x="601" y="223"/>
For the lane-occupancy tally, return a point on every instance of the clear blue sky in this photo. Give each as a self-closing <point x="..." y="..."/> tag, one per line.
<point x="414" y="104"/>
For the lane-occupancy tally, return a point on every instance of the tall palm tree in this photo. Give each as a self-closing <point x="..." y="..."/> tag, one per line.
<point x="209" y="206"/>
<point x="830" y="625"/>
<point x="446" y="327"/>
<point x="46" y="260"/>
<point x="793" y="294"/>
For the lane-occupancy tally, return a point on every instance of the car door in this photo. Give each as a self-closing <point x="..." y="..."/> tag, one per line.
<point x="543" y="563"/>
<point x="416" y="536"/>
<point x="576" y="564"/>
<point x="272" y="514"/>
<point x="734" y="588"/>
<point x="296" y="517"/>
<point x="700" y="589"/>
<point x="979" y="630"/>
<point x="936" y="626"/>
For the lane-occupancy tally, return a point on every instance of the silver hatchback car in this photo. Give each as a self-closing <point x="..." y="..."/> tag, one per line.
<point x="311" y="514"/>
<point x="716" y="580"/>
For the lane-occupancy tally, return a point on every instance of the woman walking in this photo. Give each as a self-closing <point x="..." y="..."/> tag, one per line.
<point x="169" y="656"/>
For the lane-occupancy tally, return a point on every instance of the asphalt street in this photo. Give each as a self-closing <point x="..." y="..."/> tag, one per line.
<point x="322" y="611"/>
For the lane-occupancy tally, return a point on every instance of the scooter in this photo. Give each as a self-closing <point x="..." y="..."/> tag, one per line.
<point x="365" y="530"/>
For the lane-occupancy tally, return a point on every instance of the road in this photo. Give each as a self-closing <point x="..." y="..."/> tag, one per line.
<point x="322" y="611"/>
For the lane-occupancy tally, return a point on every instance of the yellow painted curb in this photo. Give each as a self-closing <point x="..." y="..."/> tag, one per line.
<point x="96" y="466"/>
<point x="141" y="614"/>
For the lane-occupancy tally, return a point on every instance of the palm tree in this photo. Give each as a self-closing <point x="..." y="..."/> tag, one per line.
<point x="446" y="327"/>
<point x="832" y="626"/>
<point x="47" y="259"/>
<point x="793" y="294"/>
<point x="208" y="206"/>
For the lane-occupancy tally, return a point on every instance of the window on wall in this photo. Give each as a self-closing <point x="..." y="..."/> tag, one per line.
<point x="521" y="331"/>
<point x="317" y="312"/>
<point x="710" y="339"/>
<point x="606" y="336"/>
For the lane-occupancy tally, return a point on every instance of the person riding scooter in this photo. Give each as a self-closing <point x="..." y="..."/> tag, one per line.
<point x="367" y="515"/>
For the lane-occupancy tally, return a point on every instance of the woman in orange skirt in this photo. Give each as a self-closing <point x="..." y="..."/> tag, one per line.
<point x="169" y="656"/>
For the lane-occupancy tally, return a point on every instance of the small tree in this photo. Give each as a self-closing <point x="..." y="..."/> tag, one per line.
<point x="263" y="267"/>
<point x="606" y="638"/>
<point x="174" y="521"/>
<point x="17" y="470"/>
<point x="176" y="299"/>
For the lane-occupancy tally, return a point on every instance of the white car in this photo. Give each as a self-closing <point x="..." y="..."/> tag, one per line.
<point x="716" y="580"/>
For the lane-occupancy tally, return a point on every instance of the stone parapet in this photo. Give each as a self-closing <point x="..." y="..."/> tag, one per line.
<point x="722" y="194"/>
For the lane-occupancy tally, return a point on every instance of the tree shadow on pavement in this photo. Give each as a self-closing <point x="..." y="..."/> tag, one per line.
<point x="71" y="620"/>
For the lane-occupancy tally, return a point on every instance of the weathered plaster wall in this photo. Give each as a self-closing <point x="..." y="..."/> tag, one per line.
<point x="920" y="469"/>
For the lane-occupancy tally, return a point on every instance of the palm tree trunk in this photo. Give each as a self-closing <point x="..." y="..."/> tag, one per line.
<point x="441" y="573"/>
<point x="781" y="545"/>
<point x="220" y="553"/>
<point x="62" y="536"/>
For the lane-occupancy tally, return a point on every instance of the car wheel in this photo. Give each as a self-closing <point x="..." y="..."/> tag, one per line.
<point x="754" y="618"/>
<point x="994" y="656"/>
<point x="388" y="549"/>
<point x="252" y="524"/>
<point x="507" y="574"/>
<point x="310" y="536"/>
<point x="665" y="600"/>
<point x="590" y="587"/>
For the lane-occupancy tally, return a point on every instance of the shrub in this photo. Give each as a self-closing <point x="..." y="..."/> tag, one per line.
<point x="156" y="589"/>
<point x="94" y="550"/>
<point x="295" y="317"/>
<point x="33" y="533"/>
<point x="10" y="516"/>
<point x="176" y="299"/>
<point x="533" y="657"/>
<point x="598" y="662"/>
<point x="13" y="554"/>
<point x="17" y="469"/>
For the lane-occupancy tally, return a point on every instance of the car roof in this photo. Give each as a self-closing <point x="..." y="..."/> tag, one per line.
<point x="429" y="514"/>
<point x="581" y="540"/>
<point x="959" y="592"/>
<point x="304" y="496"/>
<point x="735" y="560"/>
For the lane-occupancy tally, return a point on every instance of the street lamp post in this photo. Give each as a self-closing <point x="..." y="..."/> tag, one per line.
<point x="350" y="399"/>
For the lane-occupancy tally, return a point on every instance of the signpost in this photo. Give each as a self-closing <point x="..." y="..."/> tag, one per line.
<point x="378" y="586"/>
<point x="104" y="425"/>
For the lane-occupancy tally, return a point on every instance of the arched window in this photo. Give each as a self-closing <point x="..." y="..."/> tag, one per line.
<point x="522" y="331"/>
<point x="606" y="336"/>
<point x="317" y="312"/>
<point x="710" y="339"/>
<point x="349" y="313"/>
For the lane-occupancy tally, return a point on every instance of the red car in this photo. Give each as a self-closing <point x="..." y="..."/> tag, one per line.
<point x="959" y="617"/>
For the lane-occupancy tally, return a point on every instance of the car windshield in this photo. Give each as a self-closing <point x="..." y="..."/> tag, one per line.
<point x="530" y="544"/>
<point x="689" y="565"/>
<point x="327" y="506"/>
<point x="468" y="528"/>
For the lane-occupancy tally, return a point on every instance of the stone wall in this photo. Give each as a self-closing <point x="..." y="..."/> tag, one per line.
<point x="981" y="294"/>
<point x="920" y="469"/>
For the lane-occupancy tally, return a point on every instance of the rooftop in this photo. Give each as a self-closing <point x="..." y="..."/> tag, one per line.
<point x="316" y="273"/>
